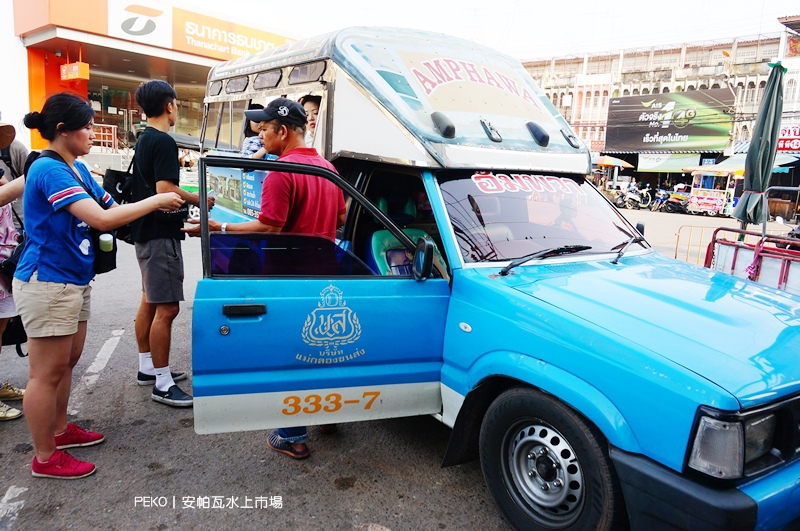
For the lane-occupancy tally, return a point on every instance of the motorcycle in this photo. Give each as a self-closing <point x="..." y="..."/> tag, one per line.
<point x="792" y="234"/>
<point x="676" y="204"/>
<point x="620" y="199"/>
<point x="660" y="200"/>
<point x="645" y="198"/>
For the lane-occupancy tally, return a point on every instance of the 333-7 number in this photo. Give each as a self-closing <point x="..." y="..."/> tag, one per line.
<point x="311" y="404"/>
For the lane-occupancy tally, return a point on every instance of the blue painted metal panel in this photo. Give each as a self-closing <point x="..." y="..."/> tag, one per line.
<point x="778" y="498"/>
<point x="317" y="331"/>
<point x="571" y="331"/>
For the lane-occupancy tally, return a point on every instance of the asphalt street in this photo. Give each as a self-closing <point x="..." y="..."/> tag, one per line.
<point x="154" y="472"/>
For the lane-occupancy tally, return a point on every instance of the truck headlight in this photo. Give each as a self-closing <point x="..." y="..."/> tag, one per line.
<point x="758" y="435"/>
<point x="730" y="449"/>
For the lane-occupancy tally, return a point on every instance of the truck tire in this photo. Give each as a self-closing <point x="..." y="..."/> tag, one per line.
<point x="547" y="467"/>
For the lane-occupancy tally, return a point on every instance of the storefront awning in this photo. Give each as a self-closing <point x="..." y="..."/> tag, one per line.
<point x="735" y="164"/>
<point x="671" y="163"/>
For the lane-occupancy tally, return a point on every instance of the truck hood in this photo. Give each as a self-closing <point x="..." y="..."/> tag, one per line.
<point x="695" y="317"/>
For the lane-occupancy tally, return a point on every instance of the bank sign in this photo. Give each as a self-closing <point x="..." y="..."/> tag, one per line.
<point x="153" y="23"/>
<point x="698" y="120"/>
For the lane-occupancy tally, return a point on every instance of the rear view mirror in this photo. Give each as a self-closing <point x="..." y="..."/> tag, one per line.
<point x="640" y="228"/>
<point x="423" y="259"/>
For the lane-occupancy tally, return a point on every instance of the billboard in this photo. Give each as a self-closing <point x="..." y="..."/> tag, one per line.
<point x="698" y="121"/>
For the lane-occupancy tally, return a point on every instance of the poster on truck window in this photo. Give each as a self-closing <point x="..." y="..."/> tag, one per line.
<point x="226" y="184"/>
<point x="697" y="120"/>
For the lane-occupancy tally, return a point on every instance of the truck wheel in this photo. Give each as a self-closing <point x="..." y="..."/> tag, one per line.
<point x="546" y="467"/>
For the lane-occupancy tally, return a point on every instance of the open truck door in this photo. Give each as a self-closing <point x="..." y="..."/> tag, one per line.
<point x="294" y="330"/>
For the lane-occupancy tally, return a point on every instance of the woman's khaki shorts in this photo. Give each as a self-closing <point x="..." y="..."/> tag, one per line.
<point x="51" y="309"/>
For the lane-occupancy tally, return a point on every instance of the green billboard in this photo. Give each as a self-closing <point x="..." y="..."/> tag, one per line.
<point x="694" y="121"/>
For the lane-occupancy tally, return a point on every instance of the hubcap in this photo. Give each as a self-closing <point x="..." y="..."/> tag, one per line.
<point x="545" y="473"/>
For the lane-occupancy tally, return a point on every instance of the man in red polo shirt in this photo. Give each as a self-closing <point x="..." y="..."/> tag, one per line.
<point x="291" y="203"/>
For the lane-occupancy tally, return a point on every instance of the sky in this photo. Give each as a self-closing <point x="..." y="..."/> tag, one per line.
<point x="525" y="29"/>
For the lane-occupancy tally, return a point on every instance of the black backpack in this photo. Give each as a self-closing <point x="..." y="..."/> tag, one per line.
<point x="5" y="156"/>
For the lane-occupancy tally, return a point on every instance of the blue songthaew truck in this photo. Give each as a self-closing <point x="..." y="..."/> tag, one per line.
<point x="481" y="278"/>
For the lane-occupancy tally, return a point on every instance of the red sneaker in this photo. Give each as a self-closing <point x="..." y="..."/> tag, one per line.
<point x="77" y="436"/>
<point x="62" y="466"/>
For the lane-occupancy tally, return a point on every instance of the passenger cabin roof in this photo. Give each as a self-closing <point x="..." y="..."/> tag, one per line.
<point x="464" y="105"/>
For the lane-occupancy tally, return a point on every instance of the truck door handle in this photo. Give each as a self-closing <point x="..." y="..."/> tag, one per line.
<point x="235" y="310"/>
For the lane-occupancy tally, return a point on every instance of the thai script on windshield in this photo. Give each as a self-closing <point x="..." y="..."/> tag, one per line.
<point x="496" y="183"/>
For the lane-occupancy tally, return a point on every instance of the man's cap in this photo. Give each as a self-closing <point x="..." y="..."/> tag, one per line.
<point x="282" y="109"/>
<point x="7" y="135"/>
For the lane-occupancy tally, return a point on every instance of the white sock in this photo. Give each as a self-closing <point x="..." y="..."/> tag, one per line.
<point x="164" y="378"/>
<point x="146" y="363"/>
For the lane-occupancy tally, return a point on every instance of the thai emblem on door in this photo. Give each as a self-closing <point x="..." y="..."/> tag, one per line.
<point x="332" y="323"/>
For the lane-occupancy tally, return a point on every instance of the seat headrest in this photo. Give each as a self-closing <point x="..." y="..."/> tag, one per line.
<point x="400" y="209"/>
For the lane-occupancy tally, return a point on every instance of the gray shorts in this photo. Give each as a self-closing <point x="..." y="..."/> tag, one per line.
<point x="161" y="263"/>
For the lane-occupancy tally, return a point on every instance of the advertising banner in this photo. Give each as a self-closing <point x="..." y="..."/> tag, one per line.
<point x="149" y="22"/>
<point x="699" y="120"/>
<point x="667" y="162"/>
<point x="789" y="139"/>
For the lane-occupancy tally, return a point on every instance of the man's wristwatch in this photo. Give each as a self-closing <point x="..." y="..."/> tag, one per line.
<point x="224" y="227"/>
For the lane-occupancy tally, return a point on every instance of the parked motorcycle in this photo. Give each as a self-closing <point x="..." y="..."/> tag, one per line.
<point x="676" y="204"/>
<point x="660" y="200"/>
<point x="620" y="199"/>
<point x="645" y="198"/>
<point x="793" y="234"/>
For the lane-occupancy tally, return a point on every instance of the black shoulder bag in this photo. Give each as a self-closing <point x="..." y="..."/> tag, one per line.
<point x="14" y="334"/>
<point x="119" y="185"/>
<point x="105" y="248"/>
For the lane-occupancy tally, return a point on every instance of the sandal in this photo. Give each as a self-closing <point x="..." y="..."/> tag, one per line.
<point x="275" y="442"/>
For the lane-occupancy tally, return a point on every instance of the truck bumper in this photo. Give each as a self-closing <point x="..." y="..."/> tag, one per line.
<point x="659" y="498"/>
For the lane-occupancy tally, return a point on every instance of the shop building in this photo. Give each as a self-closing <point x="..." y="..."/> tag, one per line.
<point x="103" y="49"/>
<point x="722" y="80"/>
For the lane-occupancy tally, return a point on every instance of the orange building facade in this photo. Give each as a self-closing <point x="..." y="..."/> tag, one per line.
<point x="103" y="49"/>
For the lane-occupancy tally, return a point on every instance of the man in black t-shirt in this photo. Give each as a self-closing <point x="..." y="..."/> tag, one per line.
<point x="157" y="239"/>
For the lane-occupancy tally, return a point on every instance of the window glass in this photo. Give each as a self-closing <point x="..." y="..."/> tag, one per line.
<point x="225" y="125"/>
<point x="499" y="217"/>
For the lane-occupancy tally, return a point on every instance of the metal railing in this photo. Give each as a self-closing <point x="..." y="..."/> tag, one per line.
<point x="105" y="137"/>
<point x="692" y="242"/>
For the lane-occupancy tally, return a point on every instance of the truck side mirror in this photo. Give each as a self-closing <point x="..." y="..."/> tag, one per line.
<point x="640" y="228"/>
<point x="423" y="259"/>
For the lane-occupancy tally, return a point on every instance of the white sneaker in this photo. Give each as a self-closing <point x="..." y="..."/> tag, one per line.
<point x="9" y="413"/>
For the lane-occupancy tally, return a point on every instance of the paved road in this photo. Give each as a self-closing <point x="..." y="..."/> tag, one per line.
<point x="682" y="235"/>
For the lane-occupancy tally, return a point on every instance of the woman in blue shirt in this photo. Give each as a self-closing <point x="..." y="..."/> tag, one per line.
<point x="51" y="283"/>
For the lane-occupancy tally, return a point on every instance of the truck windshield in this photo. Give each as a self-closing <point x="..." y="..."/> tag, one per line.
<point x="503" y="216"/>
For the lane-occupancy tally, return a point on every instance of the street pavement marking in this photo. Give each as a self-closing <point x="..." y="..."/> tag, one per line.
<point x="9" y="510"/>
<point x="99" y="363"/>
